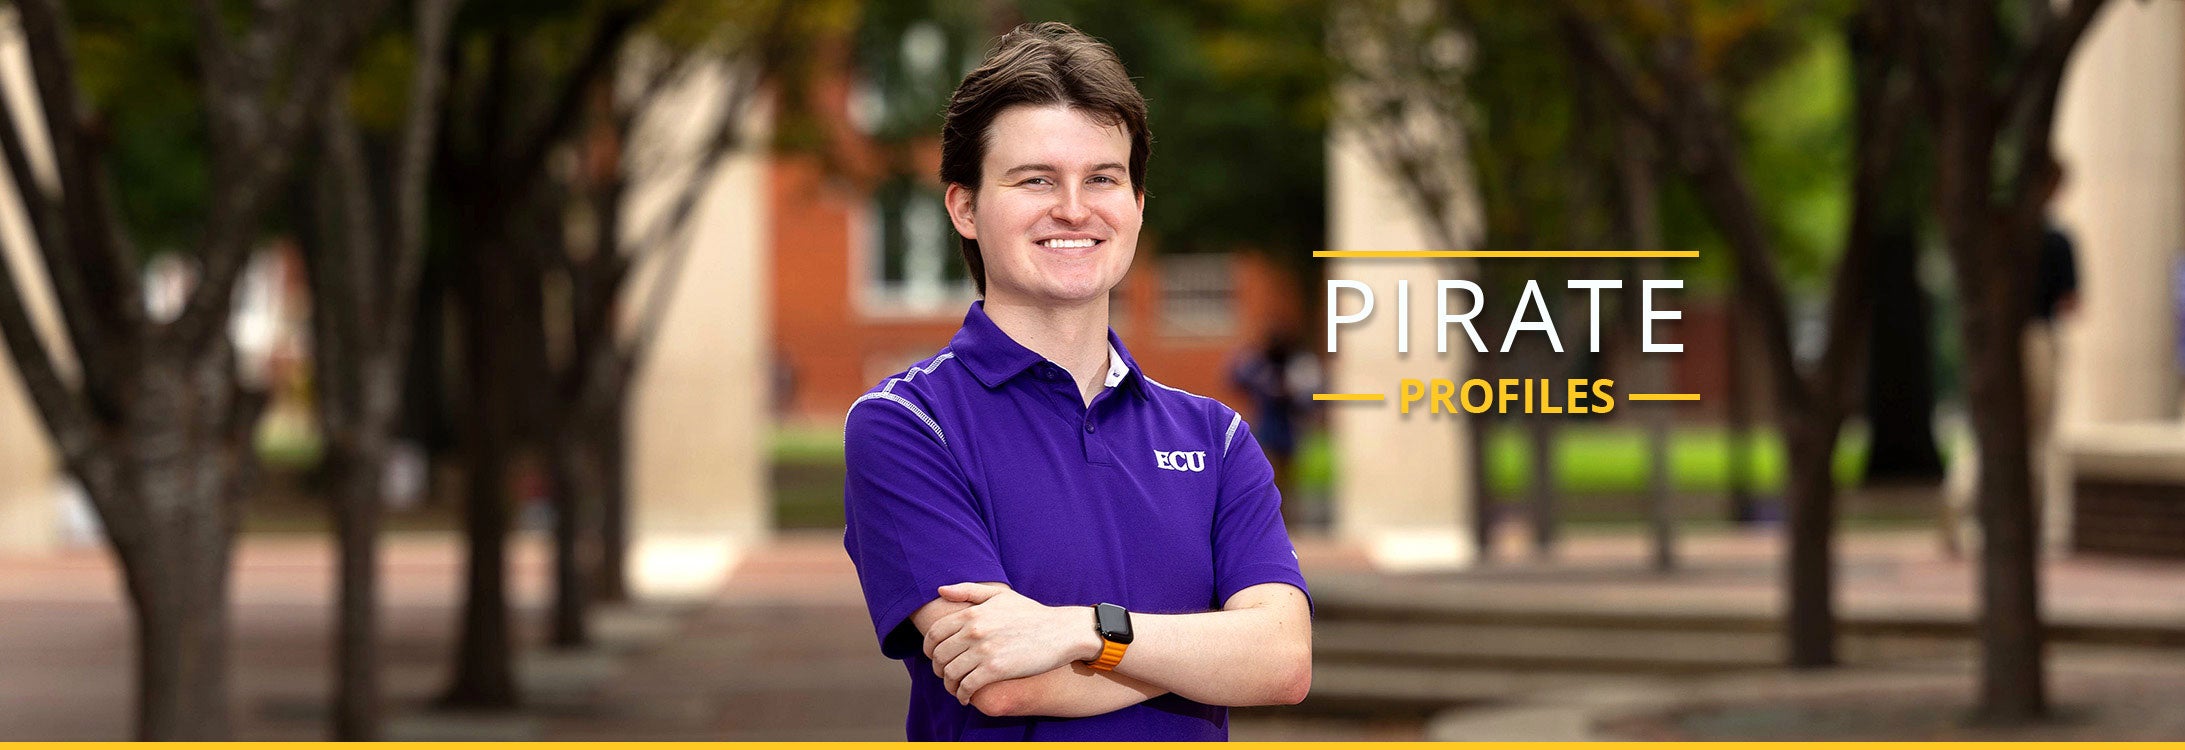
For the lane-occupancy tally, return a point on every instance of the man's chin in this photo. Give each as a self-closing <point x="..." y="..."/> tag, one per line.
<point x="1055" y="295"/>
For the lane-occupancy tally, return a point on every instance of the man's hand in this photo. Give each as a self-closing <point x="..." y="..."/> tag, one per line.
<point x="1004" y="636"/>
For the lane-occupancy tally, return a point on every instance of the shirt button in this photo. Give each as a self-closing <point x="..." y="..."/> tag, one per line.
<point x="1088" y="427"/>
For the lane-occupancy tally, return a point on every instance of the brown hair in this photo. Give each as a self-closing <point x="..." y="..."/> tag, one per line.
<point x="1038" y="65"/>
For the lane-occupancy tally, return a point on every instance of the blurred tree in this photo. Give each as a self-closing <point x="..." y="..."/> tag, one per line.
<point x="158" y="426"/>
<point x="1900" y="388"/>
<point x="1673" y="83"/>
<point x="1990" y="76"/>
<point x="674" y="108"/>
<point x="363" y="242"/>
<point x="1900" y="385"/>
<point x="519" y="76"/>
<point x="1454" y="97"/>
<point x="1404" y="77"/>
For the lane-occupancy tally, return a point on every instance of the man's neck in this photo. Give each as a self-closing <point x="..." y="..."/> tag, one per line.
<point x="1073" y="336"/>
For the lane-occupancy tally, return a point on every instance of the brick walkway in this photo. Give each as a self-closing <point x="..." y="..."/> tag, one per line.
<point x="783" y="652"/>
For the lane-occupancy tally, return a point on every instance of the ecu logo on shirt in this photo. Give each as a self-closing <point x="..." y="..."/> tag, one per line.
<point x="1180" y="460"/>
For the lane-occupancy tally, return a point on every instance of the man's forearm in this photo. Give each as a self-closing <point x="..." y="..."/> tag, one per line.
<point x="1069" y="691"/>
<point x="1259" y="653"/>
<point x="1256" y="651"/>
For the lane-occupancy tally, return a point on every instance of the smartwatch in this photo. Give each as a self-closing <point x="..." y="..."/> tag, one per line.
<point x="1112" y="622"/>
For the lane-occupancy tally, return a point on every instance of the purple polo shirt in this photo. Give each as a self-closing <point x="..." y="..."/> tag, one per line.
<point x="983" y="463"/>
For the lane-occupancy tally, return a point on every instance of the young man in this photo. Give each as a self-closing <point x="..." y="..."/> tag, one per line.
<point x="1057" y="546"/>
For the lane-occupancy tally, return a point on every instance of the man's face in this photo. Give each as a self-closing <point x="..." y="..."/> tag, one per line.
<point x="1054" y="214"/>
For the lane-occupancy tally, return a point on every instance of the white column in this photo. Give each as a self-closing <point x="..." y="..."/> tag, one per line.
<point x="1403" y="482"/>
<point x="699" y="422"/>
<point x="2120" y="134"/>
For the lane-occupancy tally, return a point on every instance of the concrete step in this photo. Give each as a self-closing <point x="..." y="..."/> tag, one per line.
<point x="1541" y="647"/>
<point x="1379" y="600"/>
<point x="1384" y="691"/>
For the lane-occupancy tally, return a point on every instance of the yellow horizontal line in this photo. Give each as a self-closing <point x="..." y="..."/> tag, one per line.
<point x="1662" y="396"/>
<point x="1350" y="397"/>
<point x="1506" y="254"/>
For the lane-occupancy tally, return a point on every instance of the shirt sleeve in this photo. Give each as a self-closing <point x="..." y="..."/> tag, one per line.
<point x="913" y="522"/>
<point x="1251" y="545"/>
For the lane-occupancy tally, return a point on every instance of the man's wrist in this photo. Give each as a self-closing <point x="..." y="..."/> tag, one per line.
<point x="1088" y="643"/>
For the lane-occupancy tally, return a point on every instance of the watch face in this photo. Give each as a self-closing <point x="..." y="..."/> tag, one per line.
<point x="1113" y="622"/>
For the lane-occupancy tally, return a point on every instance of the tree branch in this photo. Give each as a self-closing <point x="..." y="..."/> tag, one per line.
<point x="1692" y="124"/>
<point x="1592" y="47"/>
<point x="1880" y="112"/>
<point x="217" y="55"/>
<point x="2043" y="66"/>
<point x="353" y="219"/>
<point x="2036" y="111"/>
<point x="79" y="311"/>
<point x="93" y="237"/>
<point x="413" y="163"/>
<point x="71" y="428"/>
<point x="251" y="170"/>
<point x="599" y="52"/>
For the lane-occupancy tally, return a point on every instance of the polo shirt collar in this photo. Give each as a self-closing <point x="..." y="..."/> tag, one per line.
<point x="994" y="358"/>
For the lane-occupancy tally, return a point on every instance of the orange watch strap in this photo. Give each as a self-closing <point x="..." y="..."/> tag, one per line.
<point x="1111" y="654"/>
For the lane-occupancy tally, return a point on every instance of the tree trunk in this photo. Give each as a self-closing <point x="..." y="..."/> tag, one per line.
<point x="576" y="476"/>
<point x="1809" y="573"/>
<point x="356" y="633"/>
<point x="188" y="459"/>
<point x="1900" y="394"/>
<point x="1638" y="220"/>
<point x="1737" y="420"/>
<point x="611" y="579"/>
<point x="484" y="658"/>
<point x="181" y="619"/>
<point x="2011" y="644"/>
<point x="484" y="666"/>
<point x="179" y="589"/>
<point x="1541" y="433"/>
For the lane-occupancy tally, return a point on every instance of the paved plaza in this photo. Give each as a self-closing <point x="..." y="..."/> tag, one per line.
<point x="781" y="650"/>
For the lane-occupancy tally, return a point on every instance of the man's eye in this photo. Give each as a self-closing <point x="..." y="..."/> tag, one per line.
<point x="1104" y="178"/>
<point x="1034" y="181"/>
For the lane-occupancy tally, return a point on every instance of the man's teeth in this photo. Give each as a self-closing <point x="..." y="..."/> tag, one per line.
<point x="1067" y="244"/>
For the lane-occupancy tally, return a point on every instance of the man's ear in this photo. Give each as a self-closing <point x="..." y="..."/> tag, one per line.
<point x="959" y="200"/>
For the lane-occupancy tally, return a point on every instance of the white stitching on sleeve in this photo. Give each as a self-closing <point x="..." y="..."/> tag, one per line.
<point x="1235" y="420"/>
<point x="935" y="426"/>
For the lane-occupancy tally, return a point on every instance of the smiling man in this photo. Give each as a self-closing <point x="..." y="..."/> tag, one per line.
<point x="1057" y="546"/>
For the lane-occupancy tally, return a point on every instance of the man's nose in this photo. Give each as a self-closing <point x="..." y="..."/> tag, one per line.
<point x="1070" y="206"/>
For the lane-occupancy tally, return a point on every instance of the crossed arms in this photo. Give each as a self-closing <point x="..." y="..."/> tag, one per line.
<point x="1008" y="655"/>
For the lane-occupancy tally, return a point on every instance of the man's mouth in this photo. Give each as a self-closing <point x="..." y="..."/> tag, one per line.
<point x="1069" y="244"/>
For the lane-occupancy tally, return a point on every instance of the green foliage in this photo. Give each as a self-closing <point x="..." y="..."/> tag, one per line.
<point x="137" y="64"/>
<point x="1544" y="137"/>
<point x="1797" y="127"/>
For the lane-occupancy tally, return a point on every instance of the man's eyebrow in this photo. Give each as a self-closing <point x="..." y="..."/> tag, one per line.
<point x="1050" y="168"/>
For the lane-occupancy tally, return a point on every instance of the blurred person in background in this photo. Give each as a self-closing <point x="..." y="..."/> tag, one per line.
<point x="2053" y="298"/>
<point x="1279" y="378"/>
<point x="1057" y="546"/>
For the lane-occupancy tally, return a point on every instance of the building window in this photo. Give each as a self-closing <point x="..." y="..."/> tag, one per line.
<point x="1198" y="296"/>
<point x="913" y="262"/>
